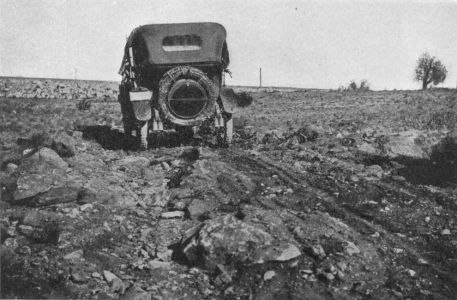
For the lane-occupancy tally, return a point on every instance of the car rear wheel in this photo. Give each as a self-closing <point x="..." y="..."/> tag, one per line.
<point x="225" y="134"/>
<point x="127" y="129"/>
<point x="228" y="126"/>
<point x="142" y="135"/>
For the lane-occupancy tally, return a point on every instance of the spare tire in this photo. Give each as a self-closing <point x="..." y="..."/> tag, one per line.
<point x="187" y="96"/>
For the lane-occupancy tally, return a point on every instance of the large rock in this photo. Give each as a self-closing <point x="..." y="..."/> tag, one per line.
<point x="197" y="208"/>
<point x="58" y="195"/>
<point x="51" y="157"/>
<point x="368" y="149"/>
<point x="228" y="241"/>
<point x="64" y="144"/>
<point x="30" y="185"/>
<point x="403" y="146"/>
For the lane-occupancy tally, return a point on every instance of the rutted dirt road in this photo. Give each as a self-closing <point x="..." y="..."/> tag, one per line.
<point x="351" y="198"/>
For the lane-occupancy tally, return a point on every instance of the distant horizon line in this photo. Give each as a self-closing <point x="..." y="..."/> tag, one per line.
<point x="235" y="86"/>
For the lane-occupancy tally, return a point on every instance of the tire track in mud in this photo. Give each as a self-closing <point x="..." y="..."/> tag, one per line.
<point x="304" y="183"/>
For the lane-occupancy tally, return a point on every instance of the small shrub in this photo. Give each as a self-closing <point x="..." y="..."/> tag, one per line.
<point x="241" y="99"/>
<point x="244" y="99"/>
<point x="364" y="86"/>
<point x="352" y="86"/>
<point x="83" y="104"/>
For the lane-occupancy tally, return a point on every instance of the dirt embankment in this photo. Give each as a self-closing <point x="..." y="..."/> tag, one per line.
<point x="324" y="195"/>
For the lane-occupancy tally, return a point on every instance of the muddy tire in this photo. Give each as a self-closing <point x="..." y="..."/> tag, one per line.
<point x="228" y="128"/>
<point x="142" y="136"/>
<point x="128" y="118"/>
<point x="127" y="129"/>
<point x="225" y="134"/>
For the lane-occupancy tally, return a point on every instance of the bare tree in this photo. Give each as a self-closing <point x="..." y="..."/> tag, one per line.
<point x="430" y="69"/>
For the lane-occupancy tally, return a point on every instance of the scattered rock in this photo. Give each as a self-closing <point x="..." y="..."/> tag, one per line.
<point x="398" y="250"/>
<point x="197" y="208"/>
<point x="117" y="286"/>
<point x="109" y="276"/>
<point x="78" y="277"/>
<point x="157" y="264"/>
<point x="165" y="254"/>
<point x="11" y="168"/>
<point x="75" y="255"/>
<point x="368" y="149"/>
<point x="290" y="252"/>
<point x="318" y="251"/>
<point x="135" y="293"/>
<point x="351" y="249"/>
<point x="269" y="275"/>
<point x="165" y="166"/>
<point x="172" y="214"/>
<point x="329" y="276"/>
<point x="445" y="232"/>
<point x="87" y="206"/>
<point x="354" y="178"/>
<point x="27" y="151"/>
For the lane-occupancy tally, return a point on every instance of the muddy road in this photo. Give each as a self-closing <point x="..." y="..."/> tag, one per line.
<point x="342" y="201"/>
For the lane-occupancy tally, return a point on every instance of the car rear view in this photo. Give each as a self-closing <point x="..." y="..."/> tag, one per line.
<point x="172" y="78"/>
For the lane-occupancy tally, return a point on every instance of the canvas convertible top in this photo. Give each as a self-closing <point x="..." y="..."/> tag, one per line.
<point x="165" y="44"/>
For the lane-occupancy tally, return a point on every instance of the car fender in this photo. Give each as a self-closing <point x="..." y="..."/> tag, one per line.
<point x="228" y="98"/>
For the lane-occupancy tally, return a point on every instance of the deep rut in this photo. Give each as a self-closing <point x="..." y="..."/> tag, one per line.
<point x="314" y="187"/>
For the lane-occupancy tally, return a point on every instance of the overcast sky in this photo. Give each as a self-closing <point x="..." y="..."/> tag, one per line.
<point x="311" y="44"/>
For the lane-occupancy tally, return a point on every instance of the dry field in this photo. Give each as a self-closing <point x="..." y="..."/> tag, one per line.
<point x="323" y="195"/>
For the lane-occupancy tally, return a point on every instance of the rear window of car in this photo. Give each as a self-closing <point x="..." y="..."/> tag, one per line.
<point x="189" y="42"/>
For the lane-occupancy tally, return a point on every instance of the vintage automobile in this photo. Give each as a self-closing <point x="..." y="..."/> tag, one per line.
<point x="172" y="79"/>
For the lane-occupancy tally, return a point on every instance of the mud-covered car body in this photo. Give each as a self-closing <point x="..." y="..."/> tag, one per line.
<point x="172" y="76"/>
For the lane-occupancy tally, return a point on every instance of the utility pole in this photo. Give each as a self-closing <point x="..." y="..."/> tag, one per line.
<point x="260" y="77"/>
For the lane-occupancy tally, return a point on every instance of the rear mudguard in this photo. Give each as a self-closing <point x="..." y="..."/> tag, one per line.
<point x="141" y="104"/>
<point x="228" y="98"/>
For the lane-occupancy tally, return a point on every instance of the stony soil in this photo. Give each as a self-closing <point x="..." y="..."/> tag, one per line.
<point x="324" y="195"/>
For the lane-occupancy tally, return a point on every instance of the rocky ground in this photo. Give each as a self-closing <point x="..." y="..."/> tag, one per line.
<point x="324" y="195"/>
